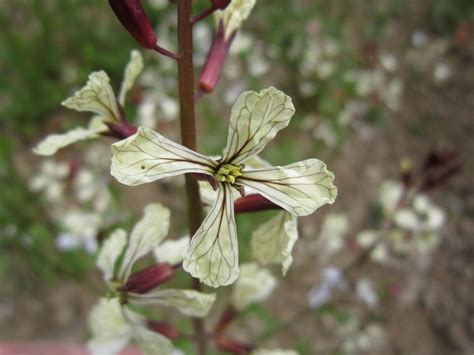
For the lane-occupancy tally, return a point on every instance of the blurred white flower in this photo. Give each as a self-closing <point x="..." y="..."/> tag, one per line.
<point x="325" y="69"/>
<point x="370" y="338"/>
<point x="426" y="242"/>
<point x="441" y="73"/>
<point x="202" y="34"/>
<point x="419" y="39"/>
<point x="326" y="133"/>
<point x="390" y="193"/>
<point x="352" y="110"/>
<point x="367" y="239"/>
<point x="92" y="188"/>
<point x="258" y="65"/>
<point x="243" y="42"/>
<point x="424" y="216"/>
<point x="366" y="293"/>
<point x="307" y="88"/>
<point x="50" y="180"/>
<point x="172" y="251"/>
<point x="332" y="279"/>
<point x="391" y="94"/>
<point x="146" y="112"/>
<point x="332" y="237"/>
<point x="254" y="285"/>
<point x="79" y="229"/>
<point x="113" y="326"/>
<point x="389" y="62"/>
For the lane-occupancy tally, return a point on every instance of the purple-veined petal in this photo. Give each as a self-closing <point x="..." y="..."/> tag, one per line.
<point x="255" y="120"/>
<point x="299" y="188"/>
<point x="147" y="156"/>
<point x="213" y="256"/>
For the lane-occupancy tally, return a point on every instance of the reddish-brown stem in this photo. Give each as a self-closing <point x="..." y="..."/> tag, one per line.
<point x="165" y="52"/>
<point x="204" y="14"/>
<point x="188" y="135"/>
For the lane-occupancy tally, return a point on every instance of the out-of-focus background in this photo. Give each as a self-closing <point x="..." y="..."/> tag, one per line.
<point x="378" y="86"/>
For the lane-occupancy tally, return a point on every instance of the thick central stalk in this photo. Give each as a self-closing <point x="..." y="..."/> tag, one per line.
<point x="188" y="134"/>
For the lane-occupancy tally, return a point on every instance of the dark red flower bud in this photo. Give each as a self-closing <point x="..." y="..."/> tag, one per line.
<point x="254" y="203"/>
<point x="233" y="346"/>
<point x="133" y="17"/>
<point x="164" y="329"/>
<point x="220" y="4"/>
<point x="121" y="130"/>
<point x="439" y="167"/>
<point x="215" y="60"/>
<point x="149" y="278"/>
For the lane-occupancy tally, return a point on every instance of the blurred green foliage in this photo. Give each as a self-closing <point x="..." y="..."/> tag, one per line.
<point x="445" y="15"/>
<point x="49" y="47"/>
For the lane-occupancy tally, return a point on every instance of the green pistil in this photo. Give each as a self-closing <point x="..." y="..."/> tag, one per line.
<point x="228" y="173"/>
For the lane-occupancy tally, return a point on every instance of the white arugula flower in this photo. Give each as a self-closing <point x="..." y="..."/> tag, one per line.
<point x="147" y="234"/>
<point x="114" y="326"/>
<point x="97" y="97"/>
<point x="51" y="180"/>
<point x="256" y="118"/>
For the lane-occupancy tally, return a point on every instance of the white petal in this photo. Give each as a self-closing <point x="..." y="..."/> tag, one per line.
<point x="207" y="193"/>
<point x="406" y="218"/>
<point x="213" y="256"/>
<point x="172" y="251"/>
<point x="152" y="343"/>
<point x="52" y="143"/>
<point x="254" y="284"/>
<point x="299" y="188"/>
<point x="132" y="71"/>
<point x="145" y="236"/>
<point x="255" y="120"/>
<point x="236" y="13"/>
<point x="273" y="241"/>
<point x="97" y="96"/>
<point x="110" y="331"/>
<point x="110" y="252"/>
<point x="390" y="194"/>
<point x="147" y="156"/>
<point x="189" y="302"/>
<point x="255" y="162"/>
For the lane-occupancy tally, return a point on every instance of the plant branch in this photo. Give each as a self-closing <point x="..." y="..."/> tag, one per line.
<point x="204" y="14"/>
<point x="188" y="135"/>
<point x="165" y="52"/>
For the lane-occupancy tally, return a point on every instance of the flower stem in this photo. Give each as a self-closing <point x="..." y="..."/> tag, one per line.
<point x="204" y="14"/>
<point x="188" y="135"/>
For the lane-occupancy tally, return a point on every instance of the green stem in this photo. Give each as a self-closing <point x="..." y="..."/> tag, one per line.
<point x="188" y="136"/>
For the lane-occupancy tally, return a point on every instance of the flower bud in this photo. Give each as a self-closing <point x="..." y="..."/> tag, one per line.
<point x="133" y="17"/>
<point x="149" y="278"/>
<point x="439" y="167"/>
<point x="254" y="203"/>
<point x="164" y="329"/>
<point x="121" y="130"/>
<point x="215" y="60"/>
<point x="220" y="4"/>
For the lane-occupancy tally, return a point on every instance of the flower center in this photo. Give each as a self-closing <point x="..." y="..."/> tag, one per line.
<point x="228" y="173"/>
